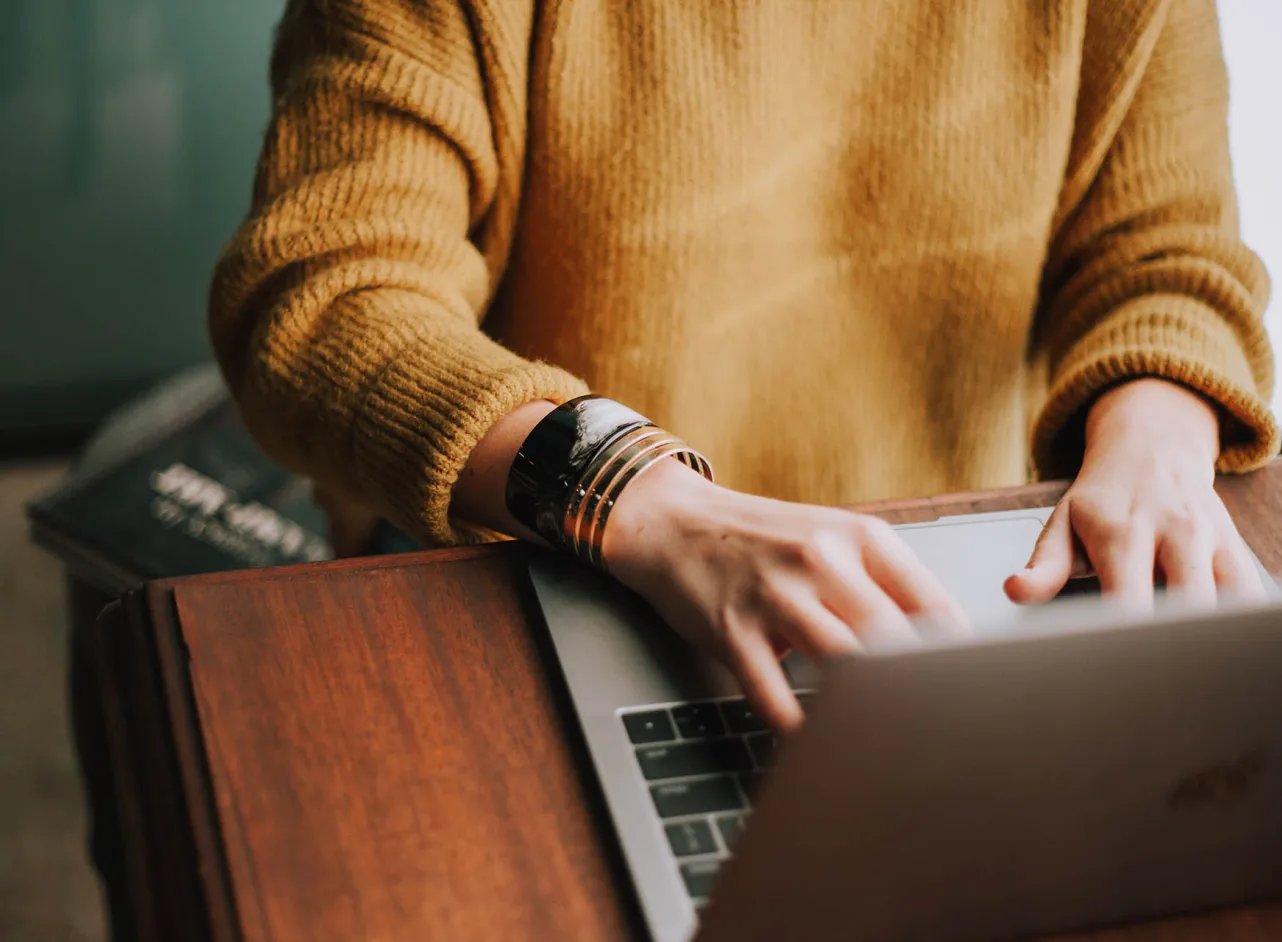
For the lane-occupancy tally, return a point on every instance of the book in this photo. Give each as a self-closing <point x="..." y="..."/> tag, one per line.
<point x="174" y="485"/>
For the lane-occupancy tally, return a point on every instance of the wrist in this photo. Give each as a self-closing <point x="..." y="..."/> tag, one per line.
<point x="1151" y="407"/>
<point x="479" y="493"/>
<point x="644" y="524"/>
<point x="574" y="467"/>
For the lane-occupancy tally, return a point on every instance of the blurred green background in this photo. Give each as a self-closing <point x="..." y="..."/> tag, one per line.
<point x="128" y="133"/>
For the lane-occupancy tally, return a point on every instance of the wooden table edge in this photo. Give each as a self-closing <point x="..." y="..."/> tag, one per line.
<point x="161" y="771"/>
<point x="899" y="510"/>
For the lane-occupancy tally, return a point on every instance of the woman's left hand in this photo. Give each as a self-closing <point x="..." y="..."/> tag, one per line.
<point x="1144" y="504"/>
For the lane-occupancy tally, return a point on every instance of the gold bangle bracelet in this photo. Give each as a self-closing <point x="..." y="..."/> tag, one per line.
<point x="590" y="487"/>
<point x="589" y="508"/>
<point x="590" y="542"/>
<point x="623" y="471"/>
<point x="618" y="462"/>
<point x="596" y="529"/>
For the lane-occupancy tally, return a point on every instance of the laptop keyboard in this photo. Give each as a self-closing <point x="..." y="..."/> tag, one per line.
<point x="702" y="762"/>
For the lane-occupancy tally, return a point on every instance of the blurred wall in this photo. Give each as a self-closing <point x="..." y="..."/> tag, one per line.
<point x="130" y="129"/>
<point x="1252" y="31"/>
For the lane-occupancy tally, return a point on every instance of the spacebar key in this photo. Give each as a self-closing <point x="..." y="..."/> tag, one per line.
<point x="697" y="796"/>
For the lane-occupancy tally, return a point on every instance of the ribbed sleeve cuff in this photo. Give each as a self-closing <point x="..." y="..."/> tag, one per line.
<point x="1172" y="337"/>
<point x="432" y="403"/>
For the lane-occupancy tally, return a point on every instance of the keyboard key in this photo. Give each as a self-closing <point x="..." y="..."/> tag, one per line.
<point x="691" y="837"/>
<point x="698" y="796"/>
<point x="750" y="783"/>
<point x="700" y="905"/>
<point x="698" y="720"/>
<point x="762" y="746"/>
<point x="694" y="758"/>
<point x="700" y="876"/>
<point x="730" y="826"/>
<point x="651" y="726"/>
<point x="740" y="718"/>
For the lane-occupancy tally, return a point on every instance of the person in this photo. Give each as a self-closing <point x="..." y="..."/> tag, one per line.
<point x="841" y="250"/>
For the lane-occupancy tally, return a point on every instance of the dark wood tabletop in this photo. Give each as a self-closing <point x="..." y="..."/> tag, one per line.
<point x="380" y="749"/>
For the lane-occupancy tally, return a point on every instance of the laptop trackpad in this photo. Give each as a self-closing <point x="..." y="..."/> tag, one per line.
<point x="972" y="559"/>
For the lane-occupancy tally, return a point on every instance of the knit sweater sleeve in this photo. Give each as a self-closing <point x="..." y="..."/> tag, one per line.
<point x="345" y="312"/>
<point x="1147" y="275"/>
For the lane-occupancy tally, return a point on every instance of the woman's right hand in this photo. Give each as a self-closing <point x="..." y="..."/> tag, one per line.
<point x="746" y="578"/>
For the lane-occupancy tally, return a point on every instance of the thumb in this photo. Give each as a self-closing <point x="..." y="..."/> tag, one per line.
<point x="1051" y="564"/>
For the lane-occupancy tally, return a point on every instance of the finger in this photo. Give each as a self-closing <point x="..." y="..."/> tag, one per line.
<point x="861" y="604"/>
<point x="814" y="629"/>
<point x="1188" y="563"/>
<point x="1235" y="571"/>
<point x="764" y="683"/>
<point x="1124" y="560"/>
<point x="878" y="623"/>
<point x="1050" y="565"/>
<point x="906" y="581"/>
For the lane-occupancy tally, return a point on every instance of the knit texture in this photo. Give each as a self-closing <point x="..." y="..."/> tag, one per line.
<point x="848" y="249"/>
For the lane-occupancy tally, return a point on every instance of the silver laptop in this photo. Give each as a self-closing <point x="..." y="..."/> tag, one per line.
<point x="871" y="808"/>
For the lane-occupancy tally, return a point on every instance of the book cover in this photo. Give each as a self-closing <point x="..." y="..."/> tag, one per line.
<point x="176" y="486"/>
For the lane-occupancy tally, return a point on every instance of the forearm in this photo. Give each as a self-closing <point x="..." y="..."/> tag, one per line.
<point x="480" y="494"/>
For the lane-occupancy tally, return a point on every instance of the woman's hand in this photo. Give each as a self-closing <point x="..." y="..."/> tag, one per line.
<point x="747" y="578"/>
<point x="1144" y="504"/>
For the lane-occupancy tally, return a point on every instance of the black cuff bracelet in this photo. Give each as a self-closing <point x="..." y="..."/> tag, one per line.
<point x="555" y="455"/>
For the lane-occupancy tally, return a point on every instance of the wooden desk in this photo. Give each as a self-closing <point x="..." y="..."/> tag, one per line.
<point x="376" y="750"/>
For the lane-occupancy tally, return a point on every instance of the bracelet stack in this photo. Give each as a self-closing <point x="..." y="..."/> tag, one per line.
<point x="576" y="463"/>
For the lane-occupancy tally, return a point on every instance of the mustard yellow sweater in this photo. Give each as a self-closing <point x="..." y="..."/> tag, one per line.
<point x="850" y="249"/>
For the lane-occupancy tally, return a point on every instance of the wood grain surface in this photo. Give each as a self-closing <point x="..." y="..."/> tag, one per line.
<point x="379" y="750"/>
